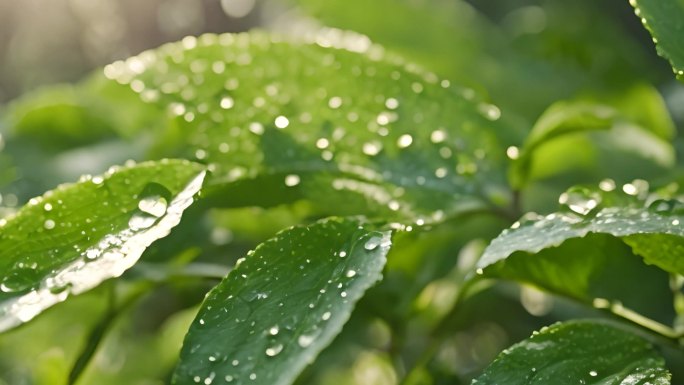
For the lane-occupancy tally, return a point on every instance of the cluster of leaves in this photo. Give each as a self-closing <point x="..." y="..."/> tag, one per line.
<point x="380" y="171"/>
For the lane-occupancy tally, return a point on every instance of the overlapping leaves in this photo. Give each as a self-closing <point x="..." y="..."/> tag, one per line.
<point x="577" y="251"/>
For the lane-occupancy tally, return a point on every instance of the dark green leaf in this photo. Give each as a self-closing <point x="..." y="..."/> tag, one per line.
<point x="76" y="236"/>
<point x="282" y="304"/>
<point x="665" y="20"/>
<point x="580" y="251"/>
<point x="578" y="352"/>
<point x="394" y="137"/>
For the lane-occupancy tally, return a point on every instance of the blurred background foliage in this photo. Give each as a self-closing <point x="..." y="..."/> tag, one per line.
<point x="527" y="57"/>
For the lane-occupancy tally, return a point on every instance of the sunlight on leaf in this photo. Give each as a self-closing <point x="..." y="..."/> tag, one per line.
<point x="282" y="304"/>
<point x="255" y="109"/>
<point x="76" y="236"/>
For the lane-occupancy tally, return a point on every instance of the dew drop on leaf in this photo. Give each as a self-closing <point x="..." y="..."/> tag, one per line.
<point x="274" y="350"/>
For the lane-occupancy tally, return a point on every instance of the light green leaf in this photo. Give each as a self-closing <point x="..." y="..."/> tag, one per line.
<point x="578" y="251"/>
<point x="321" y="121"/>
<point x="664" y="19"/>
<point x="578" y="352"/>
<point x="282" y="304"/>
<point x="607" y="136"/>
<point x="78" y="235"/>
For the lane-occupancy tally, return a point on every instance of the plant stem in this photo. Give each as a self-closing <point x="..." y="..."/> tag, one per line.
<point x="98" y="333"/>
<point x="435" y="339"/>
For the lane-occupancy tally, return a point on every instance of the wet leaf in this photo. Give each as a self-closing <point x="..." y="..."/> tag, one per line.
<point x="664" y="20"/>
<point x="394" y="137"/>
<point x="282" y="304"/>
<point x="502" y="47"/>
<point x="577" y="251"/>
<point x="578" y="352"/>
<point x="78" y="235"/>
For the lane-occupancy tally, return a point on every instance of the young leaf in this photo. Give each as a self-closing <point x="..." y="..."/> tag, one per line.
<point x="257" y="109"/>
<point x="580" y="252"/>
<point x="282" y="304"/>
<point x="78" y="235"/>
<point x="564" y="125"/>
<point x="578" y="352"/>
<point x="663" y="19"/>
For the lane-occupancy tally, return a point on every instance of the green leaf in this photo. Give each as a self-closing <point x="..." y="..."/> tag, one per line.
<point x="59" y="117"/>
<point x="578" y="352"/>
<point x="606" y="135"/>
<point x="663" y="19"/>
<point x="320" y="121"/>
<point x="580" y="252"/>
<point x="282" y="304"/>
<point x="528" y="47"/>
<point x="78" y="235"/>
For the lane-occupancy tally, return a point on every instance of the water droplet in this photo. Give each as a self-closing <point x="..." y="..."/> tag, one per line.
<point x="343" y="294"/>
<point x="438" y="136"/>
<point x="371" y="148"/>
<point x="513" y="152"/>
<point x="235" y="362"/>
<point x="305" y="340"/>
<point x="256" y="128"/>
<point x="274" y="330"/>
<point x="47" y="207"/>
<point x="326" y="316"/>
<point x="274" y="350"/>
<point x="607" y="185"/>
<point x="282" y="122"/>
<point x="139" y="222"/>
<point x="343" y="254"/>
<point x="322" y="143"/>
<point x="292" y="180"/>
<point x="391" y="103"/>
<point x="372" y="243"/>
<point x="253" y="376"/>
<point x="404" y="141"/>
<point x="228" y="378"/>
<point x="593" y="373"/>
<point x="580" y="200"/>
<point x="637" y="187"/>
<point x="154" y="205"/>
<point x="350" y="273"/>
<point x="335" y="102"/>
<point x="227" y="102"/>
<point x="49" y="224"/>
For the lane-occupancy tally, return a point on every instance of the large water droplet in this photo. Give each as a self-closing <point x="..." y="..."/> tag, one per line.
<point x="580" y="200"/>
<point x="154" y="205"/>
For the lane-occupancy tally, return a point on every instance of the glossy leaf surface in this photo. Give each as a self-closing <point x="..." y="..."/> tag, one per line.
<point x="665" y="20"/>
<point x="282" y="304"/>
<point x="578" y="352"/>
<point x="395" y="137"/>
<point x="78" y="235"/>
<point x="577" y="251"/>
